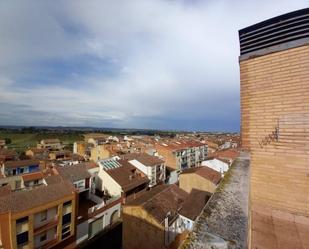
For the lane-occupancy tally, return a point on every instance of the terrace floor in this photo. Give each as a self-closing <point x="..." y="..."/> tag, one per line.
<point x="278" y="230"/>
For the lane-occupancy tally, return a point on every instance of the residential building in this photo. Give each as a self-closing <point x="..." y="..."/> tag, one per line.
<point x="99" y="152"/>
<point x="2" y="143"/>
<point x="180" y="155"/>
<point x="200" y="178"/>
<point x="12" y="168"/>
<point x="7" y="155"/>
<point x="153" y="167"/>
<point x="39" y="218"/>
<point x="60" y="155"/>
<point x="35" y="153"/>
<point x="120" y="178"/>
<point x="50" y="144"/>
<point x="274" y="127"/>
<point x="161" y="217"/>
<point x="76" y="174"/>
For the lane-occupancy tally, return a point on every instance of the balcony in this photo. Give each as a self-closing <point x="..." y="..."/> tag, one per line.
<point x="43" y="226"/>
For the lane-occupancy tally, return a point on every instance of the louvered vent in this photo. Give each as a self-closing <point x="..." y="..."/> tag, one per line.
<point x="275" y="34"/>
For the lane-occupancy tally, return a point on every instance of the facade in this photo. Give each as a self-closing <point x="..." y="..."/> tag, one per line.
<point x="2" y="143"/>
<point x="180" y="155"/>
<point x="274" y="68"/>
<point x="50" y="144"/>
<point x="99" y="152"/>
<point x="152" y="166"/>
<point x="38" y="218"/>
<point x="199" y="178"/>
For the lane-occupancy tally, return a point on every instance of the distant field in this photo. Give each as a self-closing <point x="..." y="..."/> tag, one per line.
<point x="21" y="141"/>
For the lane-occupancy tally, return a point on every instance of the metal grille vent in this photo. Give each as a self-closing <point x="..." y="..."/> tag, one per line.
<point x="272" y="34"/>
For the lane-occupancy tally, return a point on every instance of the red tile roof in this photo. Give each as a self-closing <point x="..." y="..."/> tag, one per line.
<point x="127" y="176"/>
<point x="32" y="176"/>
<point x="143" y="158"/>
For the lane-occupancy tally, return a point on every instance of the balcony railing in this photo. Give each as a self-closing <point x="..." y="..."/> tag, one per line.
<point x="45" y="225"/>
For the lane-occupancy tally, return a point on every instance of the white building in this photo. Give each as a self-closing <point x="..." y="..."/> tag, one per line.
<point x="153" y="167"/>
<point x="217" y="165"/>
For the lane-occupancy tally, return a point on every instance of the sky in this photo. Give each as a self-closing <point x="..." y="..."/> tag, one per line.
<point x="154" y="64"/>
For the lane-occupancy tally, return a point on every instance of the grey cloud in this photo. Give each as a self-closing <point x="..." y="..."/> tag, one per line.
<point x="177" y="58"/>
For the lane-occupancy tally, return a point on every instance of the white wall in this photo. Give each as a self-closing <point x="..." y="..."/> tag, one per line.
<point x="109" y="184"/>
<point x="51" y="213"/>
<point x="50" y="235"/>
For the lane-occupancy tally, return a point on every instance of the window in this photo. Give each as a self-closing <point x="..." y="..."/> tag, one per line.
<point x="66" y="219"/>
<point x="44" y="215"/>
<point x="21" y="170"/>
<point x="36" y="182"/>
<point x="43" y="237"/>
<point x="22" y="238"/>
<point x="22" y="220"/>
<point x="66" y="229"/>
<point x="66" y="235"/>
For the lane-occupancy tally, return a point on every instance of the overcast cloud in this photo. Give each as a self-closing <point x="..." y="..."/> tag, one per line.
<point x="163" y="64"/>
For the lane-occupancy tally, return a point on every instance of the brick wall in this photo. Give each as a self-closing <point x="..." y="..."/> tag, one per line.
<point x="275" y="127"/>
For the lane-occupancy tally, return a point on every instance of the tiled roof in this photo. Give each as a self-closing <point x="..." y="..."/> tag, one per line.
<point x="180" y="145"/>
<point x="194" y="204"/>
<point x="32" y="176"/>
<point x="127" y="176"/>
<point x="143" y="158"/>
<point x="74" y="173"/>
<point x="20" y="163"/>
<point x="6" y="152"/>
<point x="23" y="200"/>
<point x="161" y="201"/>
<point x="226" y="154"/>
<point x="204" y="172"/>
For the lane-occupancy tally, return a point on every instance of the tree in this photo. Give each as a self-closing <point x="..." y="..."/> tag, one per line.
<point x="8" y="141"/>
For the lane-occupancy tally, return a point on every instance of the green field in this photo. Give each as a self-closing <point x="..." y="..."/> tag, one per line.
<point x="22" y="141"/>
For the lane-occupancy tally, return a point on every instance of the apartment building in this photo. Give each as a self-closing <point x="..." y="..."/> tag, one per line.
<point x="179" y="155"/>
<point x="13" y="171"/>
<point x="153" y="167"/>
<point x="39" y="218"/>
<point x="274" y="70"/>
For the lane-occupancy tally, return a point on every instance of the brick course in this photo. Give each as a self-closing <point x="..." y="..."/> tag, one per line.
<point x="275" y="95"/>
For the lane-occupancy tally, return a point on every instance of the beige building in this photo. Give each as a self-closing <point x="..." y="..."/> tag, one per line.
<point x="274" y="68"/>
<point x="99" y="152"/>
<point x="50" y="144"/>
<point x="180" y="155"/>
<point x="39" y="218"/>
<point x="199" y="178"/>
